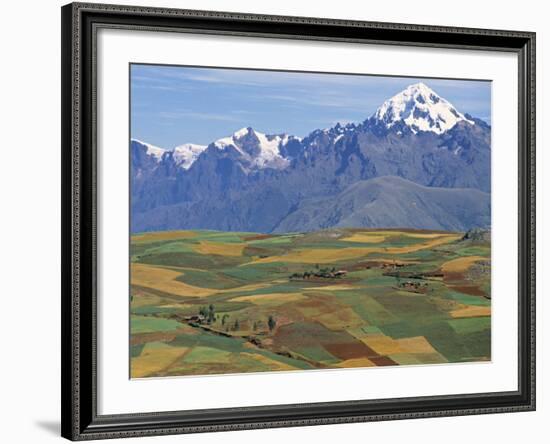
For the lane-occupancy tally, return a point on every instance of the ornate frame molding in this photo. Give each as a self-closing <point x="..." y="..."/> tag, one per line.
<point x="80" y="22"/>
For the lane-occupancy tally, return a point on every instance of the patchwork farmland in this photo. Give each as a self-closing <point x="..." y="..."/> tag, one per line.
<point x="209" y="302"/>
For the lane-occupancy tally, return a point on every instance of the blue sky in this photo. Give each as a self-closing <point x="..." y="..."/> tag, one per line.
<point x="175" y="105"/>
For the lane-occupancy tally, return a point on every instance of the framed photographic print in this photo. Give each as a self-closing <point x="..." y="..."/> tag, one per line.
<point x="279" y="221"/>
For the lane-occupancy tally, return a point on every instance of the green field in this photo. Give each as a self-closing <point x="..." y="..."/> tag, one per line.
<point x="210" y="302"/>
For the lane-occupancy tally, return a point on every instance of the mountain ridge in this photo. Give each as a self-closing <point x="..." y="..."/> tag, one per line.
<point x="259" y="177"/>
<point x="393" y="202"/>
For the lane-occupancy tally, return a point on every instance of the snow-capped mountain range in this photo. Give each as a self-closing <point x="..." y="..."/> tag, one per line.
<point x="251" y="181"/>
<point x="256" y="148"/>
<point x="259" y="150"/>
<point x="418" y="107"/>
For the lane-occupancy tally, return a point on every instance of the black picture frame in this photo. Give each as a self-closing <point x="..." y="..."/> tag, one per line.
<point x="80" y="22"/>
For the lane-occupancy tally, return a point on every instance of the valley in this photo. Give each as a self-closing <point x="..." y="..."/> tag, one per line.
<point x="219" y="302"/>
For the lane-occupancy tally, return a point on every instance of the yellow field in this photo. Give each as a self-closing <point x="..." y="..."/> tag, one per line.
<point x="163" y="235"/>
<point x="461" y="264"/>
<point x="179" y="306"/>
<point x="396" y="233"/>
<point x="329" y="255"/>
<point x="316" y="256"/>
<point x="365" y="237"/>
<point x="471" y="311"/>
<point x="220" y="248"/>
<point x="335" y="287"/>
<point x="417" y="344"/>
<point x="174" y="267"/>
<point x="164" y="280"/>
<point x="270" y="298"/>
<point x="155" y="356"/>
<point x="382" y="344"/>
<point x="356" y="363"/>
<point x="424" y="235"/>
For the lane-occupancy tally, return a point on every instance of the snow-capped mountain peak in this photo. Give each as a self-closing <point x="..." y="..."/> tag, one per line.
<point x="242" y="132"/>
<point x="257" y="149"/>
<point x="233" y="139"/>
<point x="421" y="109"/>
<point x="269" y="153"/>
<point x="185" y="155"/>
<point x="152" y="150"/>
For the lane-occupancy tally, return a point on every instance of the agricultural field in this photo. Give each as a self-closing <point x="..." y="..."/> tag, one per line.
<point x="210" y="302"/>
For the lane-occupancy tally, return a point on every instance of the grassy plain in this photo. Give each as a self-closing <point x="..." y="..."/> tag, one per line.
<point x="210" y="302"/>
